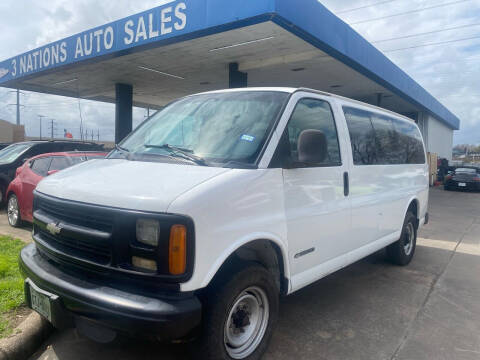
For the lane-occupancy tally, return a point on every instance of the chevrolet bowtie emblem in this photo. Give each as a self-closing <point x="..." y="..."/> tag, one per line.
<point x="54" y="229"/>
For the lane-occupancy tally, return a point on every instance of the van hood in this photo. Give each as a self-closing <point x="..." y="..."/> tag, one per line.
<point x="144" y="186"/>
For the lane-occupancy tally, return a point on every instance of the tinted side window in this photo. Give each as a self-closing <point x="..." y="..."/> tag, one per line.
<point x="411" y="144"/>
<point x="36" y="149"/>
<point x="387" y="140"/>
<point x="40" y="166"/>
<point x="59" y="163"/>
<point x="314" y="114"/>
<point x="362" y="136"/>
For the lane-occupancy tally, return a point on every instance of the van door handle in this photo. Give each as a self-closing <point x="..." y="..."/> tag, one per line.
<point x="346" y="184"/>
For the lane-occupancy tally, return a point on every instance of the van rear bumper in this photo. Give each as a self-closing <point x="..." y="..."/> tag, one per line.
<point x="74" y="299"/>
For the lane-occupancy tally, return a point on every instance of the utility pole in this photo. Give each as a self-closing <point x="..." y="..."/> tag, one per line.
<point x="98" y="134"/>
<point x="18" y="107"/>
<point x="17" y="104"/>
<point x="40" y="117"/>
<point x="52" y="128"/>
<point x="92" y="134"/>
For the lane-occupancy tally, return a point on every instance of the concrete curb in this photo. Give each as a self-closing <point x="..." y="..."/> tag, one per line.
<point x="28" y="336"/>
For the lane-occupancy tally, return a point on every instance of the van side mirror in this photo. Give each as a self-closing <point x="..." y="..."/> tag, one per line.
<point x="312" y="146"/>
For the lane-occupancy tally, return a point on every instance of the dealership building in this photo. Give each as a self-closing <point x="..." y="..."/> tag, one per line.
<point x="189" y="46"/>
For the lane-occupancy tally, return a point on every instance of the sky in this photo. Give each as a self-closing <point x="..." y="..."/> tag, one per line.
<point x="438" y="46"/>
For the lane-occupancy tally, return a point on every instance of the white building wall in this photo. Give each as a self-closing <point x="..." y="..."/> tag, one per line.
<point x="439" y="137"/>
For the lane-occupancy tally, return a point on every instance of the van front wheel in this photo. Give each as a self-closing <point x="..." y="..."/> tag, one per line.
<point x="401" y="252"/>
<point x="240" y="314"/>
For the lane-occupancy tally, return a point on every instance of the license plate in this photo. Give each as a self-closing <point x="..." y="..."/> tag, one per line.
<point x="40" y="303"/>
<point x="462" y="184"/>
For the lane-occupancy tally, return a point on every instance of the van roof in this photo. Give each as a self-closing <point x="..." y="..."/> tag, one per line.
<point x="292" y="90"/>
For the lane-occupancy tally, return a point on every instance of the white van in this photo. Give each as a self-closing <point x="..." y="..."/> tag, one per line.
<point x="214" y="207"/>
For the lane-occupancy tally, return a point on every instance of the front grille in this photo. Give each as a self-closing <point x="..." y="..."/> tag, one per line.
<point x="101" y="240"/>
<point x="85" y="233"/>
<point x="63" y="211"/>
<point x="98" y="253"/>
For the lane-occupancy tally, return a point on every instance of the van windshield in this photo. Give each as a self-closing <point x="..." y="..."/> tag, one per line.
<point x="207" y="129"/>
<point x="12" y="152"/>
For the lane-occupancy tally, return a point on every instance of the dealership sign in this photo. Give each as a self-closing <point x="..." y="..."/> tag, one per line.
<point x="160" y="23"/>
<point x="175" y="20"/>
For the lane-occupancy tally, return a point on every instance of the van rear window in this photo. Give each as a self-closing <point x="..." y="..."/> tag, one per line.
<point x="382" y="140"/>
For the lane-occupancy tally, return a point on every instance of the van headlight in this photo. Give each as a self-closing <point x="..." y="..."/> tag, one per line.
<point x="148" y="231"/>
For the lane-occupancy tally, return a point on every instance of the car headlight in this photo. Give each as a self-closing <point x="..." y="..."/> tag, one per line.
<point x="148" y="231"/>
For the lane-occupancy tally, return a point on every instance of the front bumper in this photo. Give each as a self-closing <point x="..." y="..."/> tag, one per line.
<point x="75" y="298"/>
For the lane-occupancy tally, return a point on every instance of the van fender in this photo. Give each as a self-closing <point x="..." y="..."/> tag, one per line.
<point x="243" y="241"/>
<point x="411" y="199"/>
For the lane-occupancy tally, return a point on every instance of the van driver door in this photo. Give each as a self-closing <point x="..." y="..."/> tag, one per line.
<point x="317" y="205"/>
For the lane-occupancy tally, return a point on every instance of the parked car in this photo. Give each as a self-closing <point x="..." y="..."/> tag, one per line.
<point x="14" y="155"/>
<point x="463" y="178"/>
<point x="216" y="205"/>
<point x="20" y="191"/>
<point x="4" y="145"/>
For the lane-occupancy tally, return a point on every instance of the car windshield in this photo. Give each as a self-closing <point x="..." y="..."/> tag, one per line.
<point x="465" y="171"/>
<point x="208" y="128"/>
<point x="12" y="152"/>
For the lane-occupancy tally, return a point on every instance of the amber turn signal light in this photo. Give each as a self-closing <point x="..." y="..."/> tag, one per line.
<point x="177" y="252"/>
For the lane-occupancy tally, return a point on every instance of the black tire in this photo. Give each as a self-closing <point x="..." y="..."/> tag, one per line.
<point x="15" y="221"/>
<point x="401" y="252"/>
<point x="219" y="304"/>
<point x="446" y="188"/>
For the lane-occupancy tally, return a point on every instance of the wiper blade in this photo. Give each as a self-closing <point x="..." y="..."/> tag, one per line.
<point x="122" y="149"/>
<point x="175" y="150"/>
<point x="125" y="152"/>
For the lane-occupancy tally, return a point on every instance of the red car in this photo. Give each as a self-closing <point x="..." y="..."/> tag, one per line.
<point x="27" y="176"/>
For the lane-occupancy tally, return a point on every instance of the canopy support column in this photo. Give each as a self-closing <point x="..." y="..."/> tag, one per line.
<point x="123" y="111"/>
<point x="237" y="79"/>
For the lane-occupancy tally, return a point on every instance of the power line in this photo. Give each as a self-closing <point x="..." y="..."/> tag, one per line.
<point x="40" y="117"/>
<point x="408" y="12"/>
<point x="5" y="95"/>
<point x="425" y="33"/>
<point x="73" y="102"/>
<point x="364" y="7"/>
<point x="432" y="44"/>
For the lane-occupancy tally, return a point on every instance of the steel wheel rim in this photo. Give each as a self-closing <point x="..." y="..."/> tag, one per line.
<point x="12" y="210"/>
<point x="246" y="323"/>
<point x="409" y="237"/>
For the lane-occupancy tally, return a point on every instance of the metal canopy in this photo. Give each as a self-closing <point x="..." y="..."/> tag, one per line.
<point x="277" y="42"/>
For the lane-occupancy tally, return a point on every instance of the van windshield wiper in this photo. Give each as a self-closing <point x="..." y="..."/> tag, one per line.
<point x="123" y="150"/>
<point x="184" y="153"/>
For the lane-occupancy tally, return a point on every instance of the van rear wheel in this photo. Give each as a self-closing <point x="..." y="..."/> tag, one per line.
<point x="401" y="252"/>
<point x="239" y="315"/>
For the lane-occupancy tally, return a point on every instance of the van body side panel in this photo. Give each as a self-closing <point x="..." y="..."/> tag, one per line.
<point x="381" y="194"/>
<point x="379" y="198"/>
<point x="230" y="211"/>
<point x="328" y="267"/>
